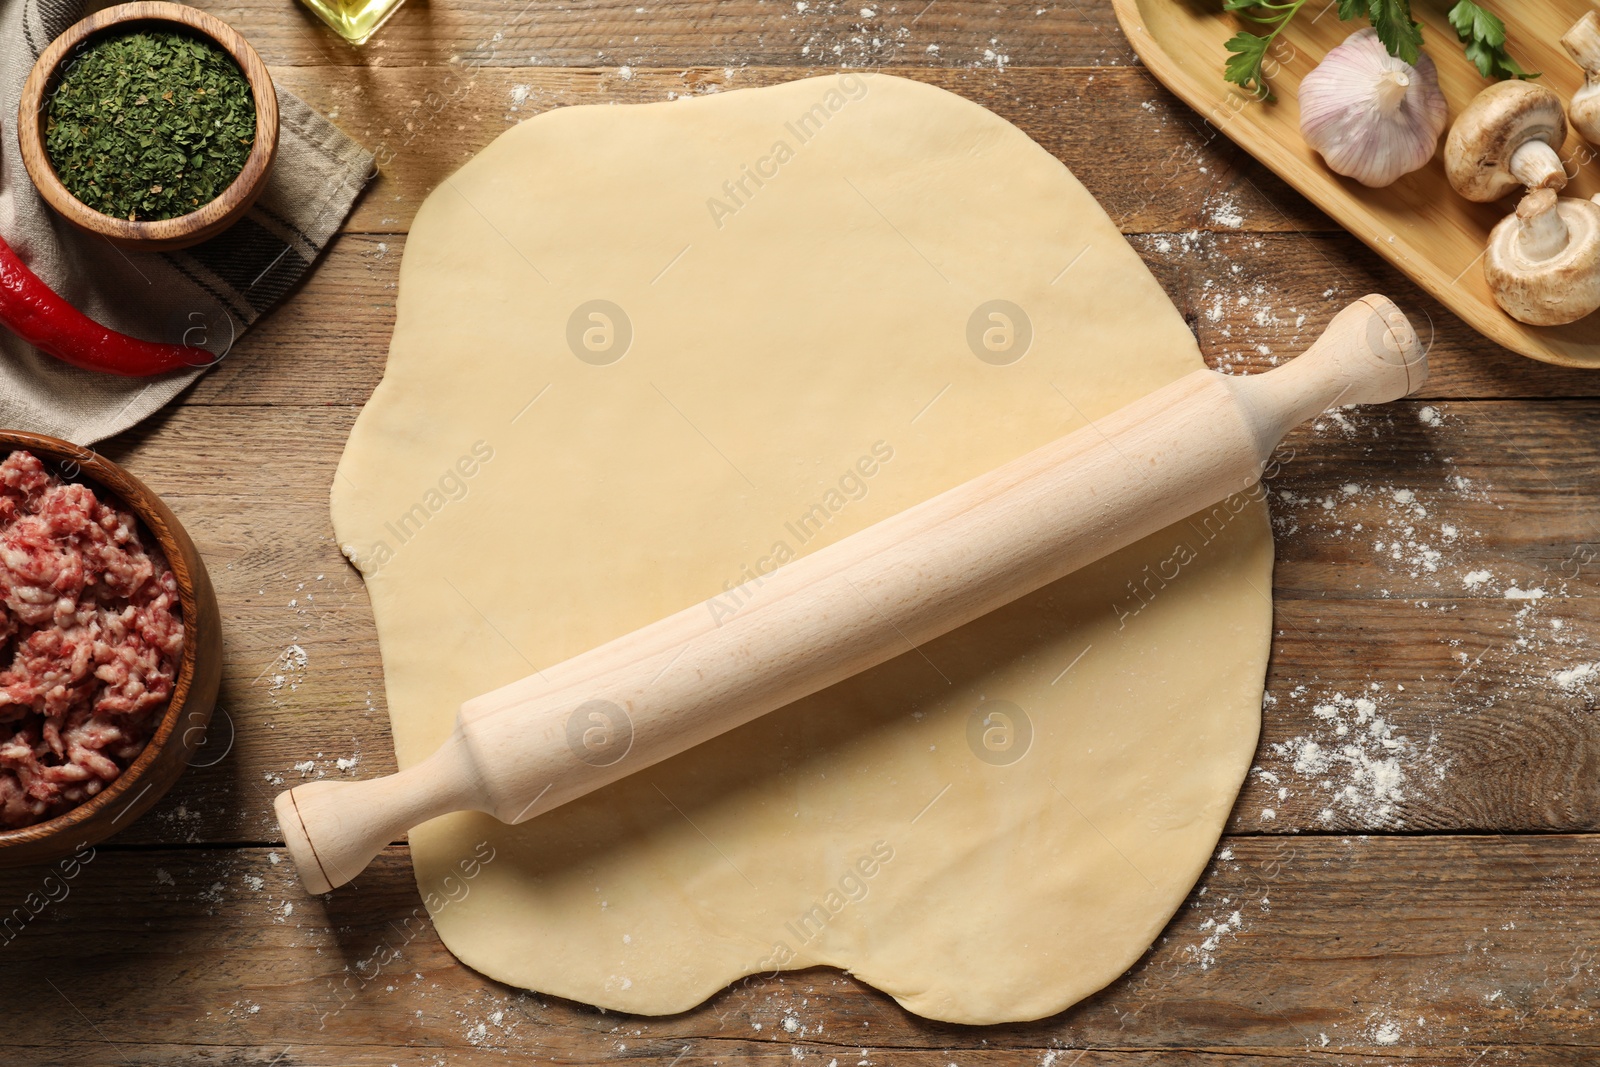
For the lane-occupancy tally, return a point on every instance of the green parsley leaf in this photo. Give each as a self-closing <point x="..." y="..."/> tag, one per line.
<point x="1400" y="34"/>
<point x="1472" y="21"/>
<point x="1484" y="38"/>
<point x="1246" y="53"/>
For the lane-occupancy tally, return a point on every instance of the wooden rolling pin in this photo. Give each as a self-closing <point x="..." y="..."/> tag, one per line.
<point x="574" y="727"/>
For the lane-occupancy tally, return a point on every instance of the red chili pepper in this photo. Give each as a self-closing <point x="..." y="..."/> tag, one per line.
<point x="35" y="313"/>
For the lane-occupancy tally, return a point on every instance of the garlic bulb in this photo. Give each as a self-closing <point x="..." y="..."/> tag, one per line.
<point x="1372" y="117"/>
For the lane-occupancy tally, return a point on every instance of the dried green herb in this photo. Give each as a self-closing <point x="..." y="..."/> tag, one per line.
<point x="150" y="125"/>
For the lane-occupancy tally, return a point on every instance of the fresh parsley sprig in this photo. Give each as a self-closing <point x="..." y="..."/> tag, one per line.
<point x="1482" y="35"/>
<point x="1398" y="31"/>
<point x="1247" y="52"/>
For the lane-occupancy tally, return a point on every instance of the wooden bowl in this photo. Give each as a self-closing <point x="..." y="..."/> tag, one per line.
<point x="209" y="219"/>
<point x="194" y="693"/>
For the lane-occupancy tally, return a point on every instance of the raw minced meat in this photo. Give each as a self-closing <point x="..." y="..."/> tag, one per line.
<point x="91" y="634"/>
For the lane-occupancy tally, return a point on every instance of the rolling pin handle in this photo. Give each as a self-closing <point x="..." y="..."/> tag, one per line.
<point x="1369" y="354"/>
<point x="334" y="829"/>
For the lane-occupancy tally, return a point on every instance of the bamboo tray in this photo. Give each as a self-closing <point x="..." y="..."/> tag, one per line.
<point x="1419" y="223"/>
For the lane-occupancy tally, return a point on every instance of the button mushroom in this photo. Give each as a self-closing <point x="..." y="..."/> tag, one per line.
<point x="1507" y="136"/>
<point x="1543" y="263"/>
<point x="1582" y="42"/>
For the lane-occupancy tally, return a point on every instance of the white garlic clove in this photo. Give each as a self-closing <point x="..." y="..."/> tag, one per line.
<point x="1372" y="117"/>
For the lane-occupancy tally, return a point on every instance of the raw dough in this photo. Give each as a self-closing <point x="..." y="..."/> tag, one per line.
<point x="516" y="494"/>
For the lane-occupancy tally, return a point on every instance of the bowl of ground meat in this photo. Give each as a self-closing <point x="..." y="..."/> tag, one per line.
<point x="110" y="648"/>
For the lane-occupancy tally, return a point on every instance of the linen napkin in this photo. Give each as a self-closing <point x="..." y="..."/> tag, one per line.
<point x="206" y="295"/>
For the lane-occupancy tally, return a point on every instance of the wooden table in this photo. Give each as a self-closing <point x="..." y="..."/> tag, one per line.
<point x="1434" y="559"/>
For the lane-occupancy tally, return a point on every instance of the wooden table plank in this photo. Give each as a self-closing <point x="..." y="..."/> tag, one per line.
<point x="1164" y="170"/>
<point x="1373" y="720"/>
<point x="684" y="33"/>
<point x="1440" y="492"/>
<point x="1342" y="948"/>
<point x="1512" y="479"/>
<point x="1420" y="695"/>
<point x="1405" y="736"/>
<point x="327" y="344"/>
<point x="1254" y="300"/>
<point x="1501" y="746"/>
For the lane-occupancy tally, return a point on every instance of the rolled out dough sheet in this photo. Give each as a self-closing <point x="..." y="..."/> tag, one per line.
<point x="643" y="354"/>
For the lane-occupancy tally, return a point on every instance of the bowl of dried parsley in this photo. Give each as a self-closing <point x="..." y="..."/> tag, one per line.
<point x="153" y="125"/>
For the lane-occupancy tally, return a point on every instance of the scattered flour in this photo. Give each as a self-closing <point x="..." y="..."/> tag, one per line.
<point x="1216" y="931"/>
<point x="1577" y="677"/>
<point x="1355" y="765"/>
<point x="289" y="669"/>
<point x="1222" y="209"/>
<point x="1401" y="525"/>
<point x="1245" y="324"/>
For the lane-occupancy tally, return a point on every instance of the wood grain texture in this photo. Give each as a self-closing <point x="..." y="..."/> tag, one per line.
<point x="687" y="33"/>
<point x="166" y="943"/>
<point x="1339" y="950"/>
<point x="1165" y="170"/>
<point x="1244" y="296"/>
<point x="1502" y="746"/>
<point x="1418" y="223"/>
<point x="1239" y="292"/>
<point x="1349" y="614"/>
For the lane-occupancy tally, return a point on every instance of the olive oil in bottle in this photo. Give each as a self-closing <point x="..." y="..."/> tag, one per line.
<point x="354" y="20"/>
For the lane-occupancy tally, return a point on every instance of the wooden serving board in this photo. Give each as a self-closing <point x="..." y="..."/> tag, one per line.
<point x="1419" y="223"/>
